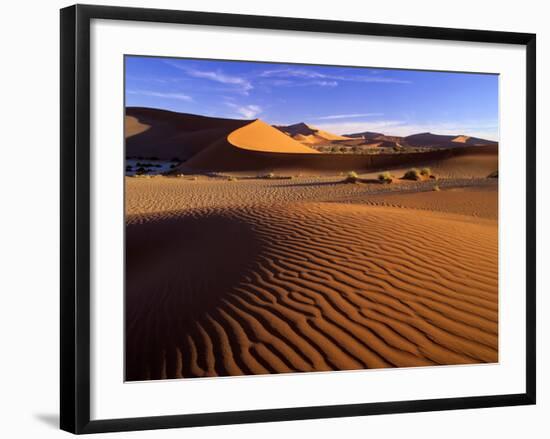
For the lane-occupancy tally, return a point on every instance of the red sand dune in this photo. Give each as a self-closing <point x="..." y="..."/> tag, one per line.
<point x="228" y="145"/>
<point x="259" y="136"/>
<point x="235" y="153"/>
<point x="166" y="134"/>
<point x="309" y="135"/>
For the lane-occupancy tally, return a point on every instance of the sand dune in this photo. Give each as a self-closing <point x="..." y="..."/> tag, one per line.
<point x="470" y="165"/>
<point x="477" y="201"/>
<point x="303" y="284"/>
<point x="132" y="126"/>
<point x="227" y="145"/>
<point x="309" y="135"/>
<point x="449" y="141"/>
<point x="239" y="153"/>
<point x="259" y="136"/>
<point x="369" y="135"/>
<point x="169" y="134"/>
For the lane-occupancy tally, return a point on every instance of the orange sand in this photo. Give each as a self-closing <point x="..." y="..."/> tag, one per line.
<point x="259" y="136"/>
<point x="259" y="276"/>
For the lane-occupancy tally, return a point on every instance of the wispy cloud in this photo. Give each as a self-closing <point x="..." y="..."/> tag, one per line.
<point x="312" y="74"/>
<point x="247" y="111"/>
<point x="325" y="83"/>
<point x="179" y="96"/>
<point x="348" y="116"/>
<point x="380" y="79"/>
<point x="292" y="73"/>
<point x="301" y="83"/>
<point x="241" y="84"/>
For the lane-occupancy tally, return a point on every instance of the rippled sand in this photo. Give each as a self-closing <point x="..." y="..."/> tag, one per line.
<point x="309" y="274"/>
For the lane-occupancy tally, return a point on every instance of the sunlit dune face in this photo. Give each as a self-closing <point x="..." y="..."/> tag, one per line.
<point x="133" y="126"/>
<point x="259" y="136"/>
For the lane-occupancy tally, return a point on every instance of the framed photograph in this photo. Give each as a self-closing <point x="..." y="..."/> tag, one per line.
<point x="268" y="218"/>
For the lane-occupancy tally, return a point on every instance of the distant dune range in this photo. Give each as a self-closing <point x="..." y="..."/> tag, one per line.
<point x="308" y="135"/>
<point x="225" y="145"/>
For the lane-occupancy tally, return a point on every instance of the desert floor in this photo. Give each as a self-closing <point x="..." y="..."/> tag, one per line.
<point x="260" y="276"/>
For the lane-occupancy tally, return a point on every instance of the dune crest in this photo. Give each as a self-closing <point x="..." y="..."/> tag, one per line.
<point x="133" y="126"/>
<point x="259" y="136"/>
<point x="171" y="134"/>
<point x="309" y="135"/>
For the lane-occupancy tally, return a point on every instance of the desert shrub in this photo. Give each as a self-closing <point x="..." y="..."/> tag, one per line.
<point x="426" y="172"/>
<point x="270" y="175"/>
<point x="140" y="171"/>
<point x="385" y="177"/>
<point x="493" y="174"/>
<point x="412" y="174"/>
<point x="352" y="177"/>
<point x="232" y="179"/>
<point x="436" y="188"/>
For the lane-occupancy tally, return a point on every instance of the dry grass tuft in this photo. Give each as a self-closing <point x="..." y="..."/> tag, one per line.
<point x="385" y="177"/>
<point x="412" y="174"/>
<point x="351" y="177"/>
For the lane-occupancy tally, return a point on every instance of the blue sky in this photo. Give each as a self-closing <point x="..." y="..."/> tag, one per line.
<point x="337" y="99"/>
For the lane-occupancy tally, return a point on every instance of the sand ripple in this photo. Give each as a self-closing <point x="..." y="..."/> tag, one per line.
<point x="307" y="286"/>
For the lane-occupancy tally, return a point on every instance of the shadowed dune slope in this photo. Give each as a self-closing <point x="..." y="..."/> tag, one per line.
<point x="467" y="165"/>
<point x="165" y="134"/>
<point x="307" y="287"/>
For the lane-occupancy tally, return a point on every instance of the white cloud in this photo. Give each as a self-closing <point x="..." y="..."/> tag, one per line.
<point x="348" y="116"/>
<point x="379" y="79"/>
<point x="325" y="83"/>
<point x="292" y="83"/>
<point x="179" y="96"/>
<point x="292" y="73"/>
<point x="247" y="111"/>
<point x="310" y="74"/>
<point x="242" y="84"/>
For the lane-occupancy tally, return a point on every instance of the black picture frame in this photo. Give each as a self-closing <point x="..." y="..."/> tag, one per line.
<point x="75" y="217"/>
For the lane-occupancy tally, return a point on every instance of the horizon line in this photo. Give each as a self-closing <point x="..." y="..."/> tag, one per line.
<point x="314" y="126"/>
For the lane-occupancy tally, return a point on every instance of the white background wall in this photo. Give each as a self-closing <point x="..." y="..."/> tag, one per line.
<point x="29" y="248"/>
